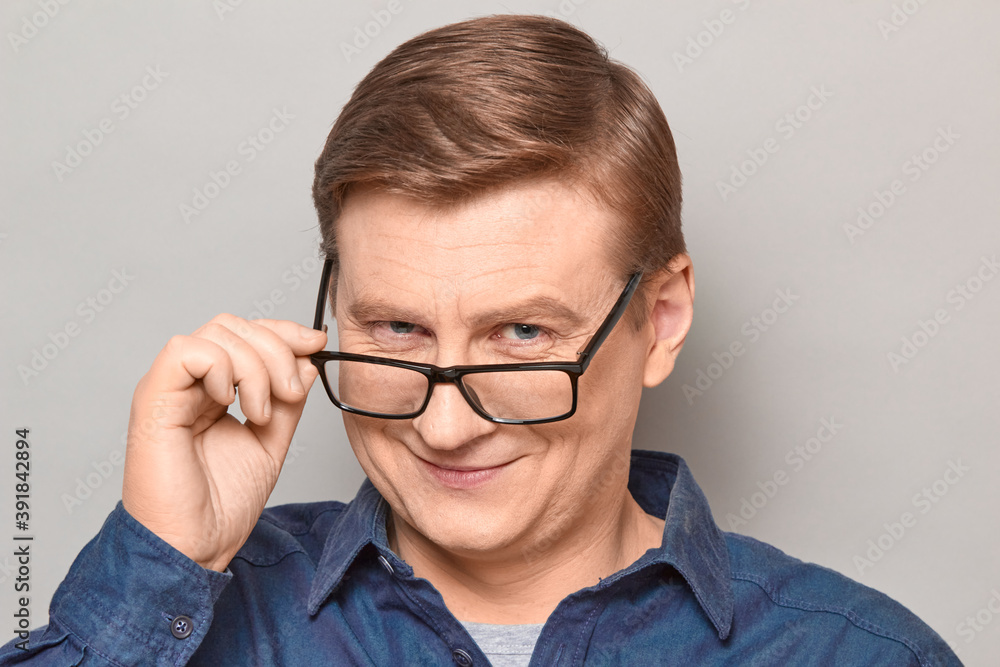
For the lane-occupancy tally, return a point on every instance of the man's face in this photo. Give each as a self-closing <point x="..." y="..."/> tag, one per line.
<point x="451" y="287"/>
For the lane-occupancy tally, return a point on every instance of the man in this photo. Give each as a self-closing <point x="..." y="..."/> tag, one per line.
<point x="500" y="206"/>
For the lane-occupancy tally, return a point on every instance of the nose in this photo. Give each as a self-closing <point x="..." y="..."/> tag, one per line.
<point x="449" y="421"/>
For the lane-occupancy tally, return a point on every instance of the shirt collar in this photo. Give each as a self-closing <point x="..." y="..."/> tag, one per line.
<point x="693" y="545"/>
<point x="660" y="482"/>
<point x="361" y="523"/>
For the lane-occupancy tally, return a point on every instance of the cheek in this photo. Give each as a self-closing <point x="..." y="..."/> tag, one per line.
<point x="610" y="390"/>
<point x="371" y="444"/>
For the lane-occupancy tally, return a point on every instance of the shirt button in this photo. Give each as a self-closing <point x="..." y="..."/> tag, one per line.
<point x="385" y="563"/>
<point x="181" y="627"/>
<point x="461" y="658"/>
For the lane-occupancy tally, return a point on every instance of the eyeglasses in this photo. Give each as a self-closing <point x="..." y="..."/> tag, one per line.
<point x="528" y="393"/>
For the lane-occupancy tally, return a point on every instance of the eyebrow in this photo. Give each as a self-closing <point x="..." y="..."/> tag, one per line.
<point x="371" y="308"/>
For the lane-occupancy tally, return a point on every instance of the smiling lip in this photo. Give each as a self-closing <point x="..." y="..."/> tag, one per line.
<point x="463" y="477"/>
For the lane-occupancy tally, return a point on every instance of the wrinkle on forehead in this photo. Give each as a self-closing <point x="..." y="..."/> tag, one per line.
<point x="474" y="301"/>
<point x="469" y="236"/>
<point x="489" y="253"/>
<point x="404" y="271"/>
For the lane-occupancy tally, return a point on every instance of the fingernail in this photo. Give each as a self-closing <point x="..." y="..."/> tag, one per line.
<point x="310" y="334"/>
<point x="296" y="384"/>
<point x="267" y="409"/>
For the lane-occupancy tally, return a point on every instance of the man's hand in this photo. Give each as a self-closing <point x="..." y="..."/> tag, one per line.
<point x="194" y="474"/>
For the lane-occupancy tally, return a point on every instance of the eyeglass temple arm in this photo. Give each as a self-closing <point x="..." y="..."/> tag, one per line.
<point x="324" y="283"/>
<point x="583" y="356"/>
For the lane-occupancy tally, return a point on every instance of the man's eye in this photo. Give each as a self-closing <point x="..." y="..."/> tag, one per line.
<point x="521" y="331"/>
<point x="402" y="327"/>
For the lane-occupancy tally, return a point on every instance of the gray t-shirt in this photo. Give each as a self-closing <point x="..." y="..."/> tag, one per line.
<point x="505" y="645"/>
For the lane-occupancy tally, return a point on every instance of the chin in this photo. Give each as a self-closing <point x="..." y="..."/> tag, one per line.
<point x="462" y="525"/>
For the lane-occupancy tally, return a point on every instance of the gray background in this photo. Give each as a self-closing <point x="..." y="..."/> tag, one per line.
<point x="63" y="234"/>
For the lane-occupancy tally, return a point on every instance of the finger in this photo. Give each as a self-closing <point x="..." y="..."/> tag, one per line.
<point x="278" y="342"/>
<point x="276" y="435"/>
<point x="302" y="340"/>
<point x="250" y="372"/>
<point x="308" y="372"/>
<point x="186" y="359"/>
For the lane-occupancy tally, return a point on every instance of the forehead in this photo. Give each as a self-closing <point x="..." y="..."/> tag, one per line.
<point x="545" y="233"/>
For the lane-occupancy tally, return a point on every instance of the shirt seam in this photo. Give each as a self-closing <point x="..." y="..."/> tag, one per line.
<point x="296" y="550"/>
<point x="307" y="530"/>
<point x="184" y="562"/>
<point x="83" y="645"/>
<point x="90" y="649"/>
<point x="430" y="618"/>
<point x="581" y="650"/>
<point x="357" y="640"/>
<point x="97" y="606"/>
<point x="106" y="614"/>
<point x="853" y="617"/>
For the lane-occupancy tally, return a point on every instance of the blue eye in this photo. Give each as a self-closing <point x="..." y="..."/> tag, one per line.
<point x="402" y="327"/>
<point x="523" y="331"/>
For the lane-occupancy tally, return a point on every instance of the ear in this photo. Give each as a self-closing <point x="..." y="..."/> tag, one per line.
<point x="669" y="318"/>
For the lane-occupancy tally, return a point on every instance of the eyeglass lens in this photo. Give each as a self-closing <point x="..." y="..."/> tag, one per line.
<point x="390" y="390"/>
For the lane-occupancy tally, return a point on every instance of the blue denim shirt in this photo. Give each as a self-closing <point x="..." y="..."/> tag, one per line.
<point x="316" y="584"/>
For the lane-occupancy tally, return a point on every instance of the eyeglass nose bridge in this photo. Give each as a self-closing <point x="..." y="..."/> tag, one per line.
<point x="445" y="375"/>
<point x="454" y="376"/>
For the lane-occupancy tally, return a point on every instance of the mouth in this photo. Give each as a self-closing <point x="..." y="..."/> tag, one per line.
<point x="463" y="477"/>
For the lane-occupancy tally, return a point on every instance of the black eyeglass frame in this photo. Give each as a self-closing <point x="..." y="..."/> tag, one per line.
<point x="454" y="374"/>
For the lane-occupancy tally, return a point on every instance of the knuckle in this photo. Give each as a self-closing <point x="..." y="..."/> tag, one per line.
<point x="233" y="323"/>
<point x="176" y="344"/>
<point x="259" y="369"/>
<point x="215" y="330"/>
<point x="218" y="320"/>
